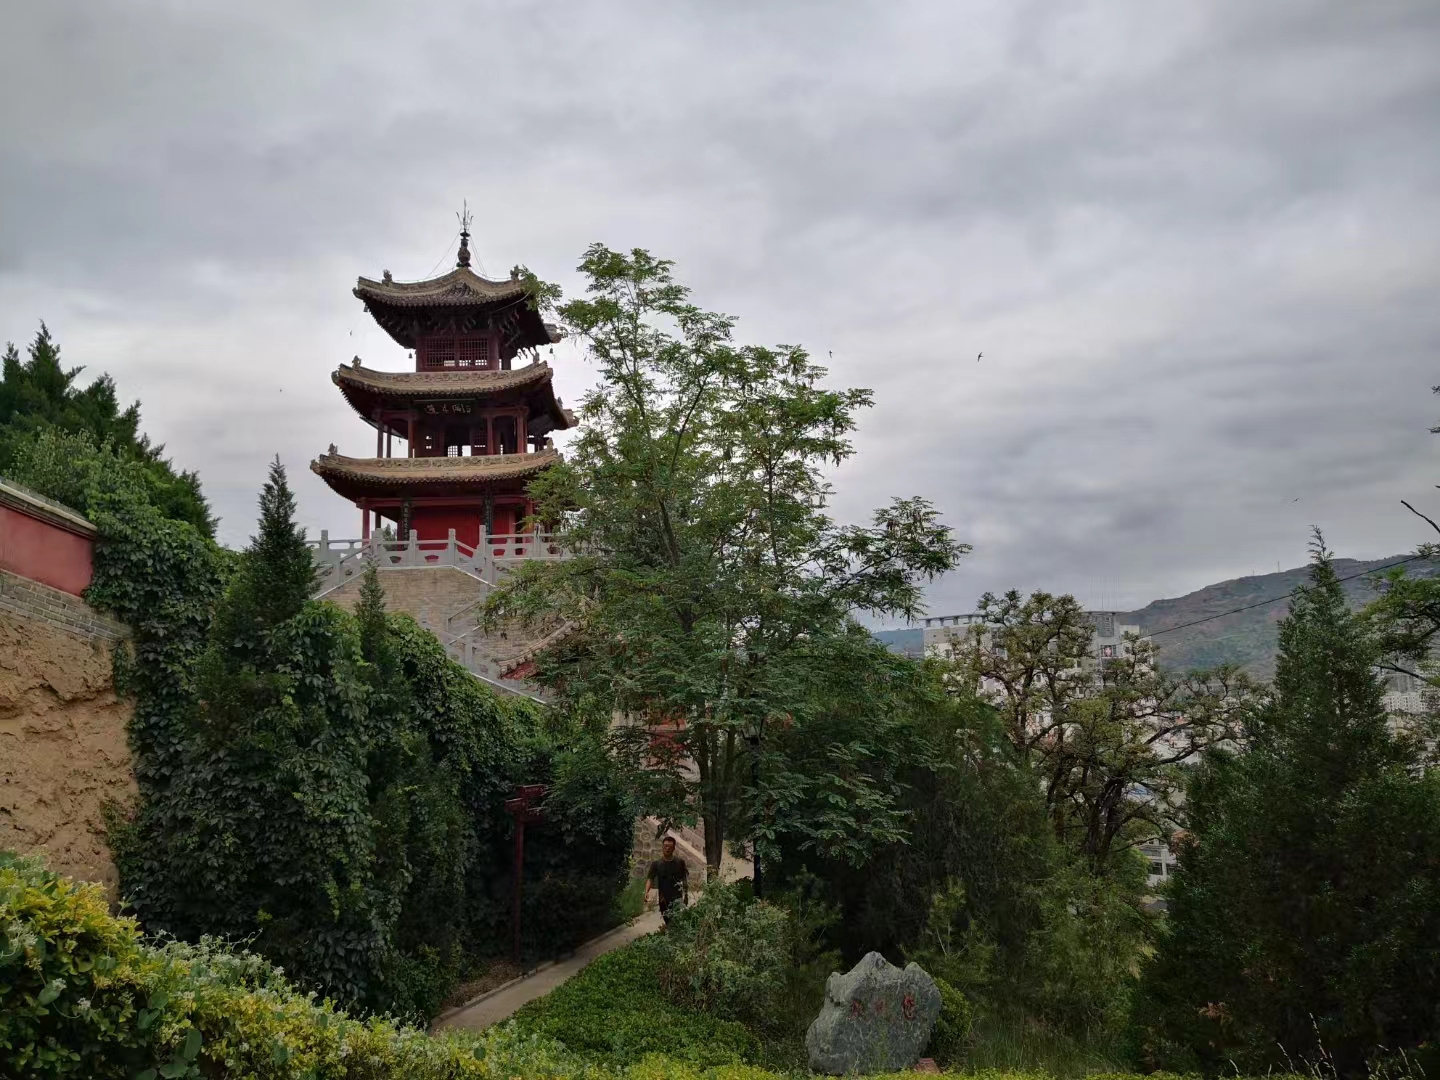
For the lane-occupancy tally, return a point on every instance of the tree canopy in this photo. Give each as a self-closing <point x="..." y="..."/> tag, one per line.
<point x="69" y="441"/>
<point x="1305" y="918"/>
<point x="1108" y="737"/>
<point x="710" y="594"/>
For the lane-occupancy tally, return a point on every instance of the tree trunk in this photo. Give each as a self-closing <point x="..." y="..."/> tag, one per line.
<point x="714" y="844"/>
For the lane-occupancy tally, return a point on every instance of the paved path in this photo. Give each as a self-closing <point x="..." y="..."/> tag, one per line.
<point x="501" y="1003"/>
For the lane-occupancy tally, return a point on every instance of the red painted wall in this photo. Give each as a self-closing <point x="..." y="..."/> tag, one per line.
<point x="44" y="552"/>
<point x="435" y="523"/>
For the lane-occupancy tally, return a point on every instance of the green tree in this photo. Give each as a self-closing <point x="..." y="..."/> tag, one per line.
<point x="1107" y="737"/>
<point x="709" y="591"/>
<point x="983" y="894"/>
<point x="71" y="442"/>
<point x="1305" y="918"/>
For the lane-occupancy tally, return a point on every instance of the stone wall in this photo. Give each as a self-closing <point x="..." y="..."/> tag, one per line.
<point x="63" y="749"/>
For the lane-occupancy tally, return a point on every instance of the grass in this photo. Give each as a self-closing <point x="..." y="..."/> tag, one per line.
<point x="1020" y="1046"/>
<point x="614" y="1015"/>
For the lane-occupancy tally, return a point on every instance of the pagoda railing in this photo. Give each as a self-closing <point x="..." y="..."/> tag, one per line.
<point x="337" y="561"/>
<point x="511" y="547"/>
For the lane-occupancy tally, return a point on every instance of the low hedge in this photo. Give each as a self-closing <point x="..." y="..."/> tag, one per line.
<point x="83" y="994"/>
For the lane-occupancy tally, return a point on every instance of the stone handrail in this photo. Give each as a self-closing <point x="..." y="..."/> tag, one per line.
<point x="510" y="547"/>
<point x="337" y="561"/>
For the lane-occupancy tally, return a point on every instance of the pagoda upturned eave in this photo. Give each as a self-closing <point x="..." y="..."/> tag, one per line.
<point x="355" y="478"/>
<point x="459" y="299"/>
<point x="368" y="391"/>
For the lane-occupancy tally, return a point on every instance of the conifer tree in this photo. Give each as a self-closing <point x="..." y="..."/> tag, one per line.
<point x="1305" y="920"/>
<point x="370" y="614"/>
<point x="67" y="440"/>
<point x="280" y="566"/>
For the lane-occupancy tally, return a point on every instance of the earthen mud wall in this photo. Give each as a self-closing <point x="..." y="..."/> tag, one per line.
<point x="63" y="750"/>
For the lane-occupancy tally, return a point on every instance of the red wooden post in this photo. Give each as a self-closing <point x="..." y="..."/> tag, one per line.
<point x="521" y="808"/>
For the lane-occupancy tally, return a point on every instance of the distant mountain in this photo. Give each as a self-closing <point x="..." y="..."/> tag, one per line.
<point x="1247" y="638"/>
<point x="905" y="642"/>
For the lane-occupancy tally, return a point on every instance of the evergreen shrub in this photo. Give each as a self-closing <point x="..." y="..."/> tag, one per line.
<point x="727" y="956"/>
<point x="952" y="1026"/>
<point x="82" y="994"/>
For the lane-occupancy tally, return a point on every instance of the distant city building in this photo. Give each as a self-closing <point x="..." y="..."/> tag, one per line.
<point x="944" y="634"/>
<point x="1161" y="862"/>
<point x="1408" y="695"/>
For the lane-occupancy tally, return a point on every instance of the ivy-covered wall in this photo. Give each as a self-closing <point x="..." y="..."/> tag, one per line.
<point x="331" y="785"/>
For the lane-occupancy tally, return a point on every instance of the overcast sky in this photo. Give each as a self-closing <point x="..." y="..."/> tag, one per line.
<point x="1198" y="243"/>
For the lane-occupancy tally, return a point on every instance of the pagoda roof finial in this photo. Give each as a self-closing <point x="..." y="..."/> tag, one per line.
<point x="463" y="257"/>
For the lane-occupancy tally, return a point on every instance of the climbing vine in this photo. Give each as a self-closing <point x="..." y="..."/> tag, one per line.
<point x="330" y="786"/>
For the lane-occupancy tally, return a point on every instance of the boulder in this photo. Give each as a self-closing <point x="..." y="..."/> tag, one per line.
<point x="876" y="1018"/>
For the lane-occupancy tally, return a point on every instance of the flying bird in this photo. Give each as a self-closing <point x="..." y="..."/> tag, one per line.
<point x="977" y="357"/>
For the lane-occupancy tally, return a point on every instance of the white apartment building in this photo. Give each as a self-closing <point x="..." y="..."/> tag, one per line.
<point x="944" y="634"/>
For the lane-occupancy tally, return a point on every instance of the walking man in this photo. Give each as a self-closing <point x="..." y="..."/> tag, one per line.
<point x="668" y="876"/>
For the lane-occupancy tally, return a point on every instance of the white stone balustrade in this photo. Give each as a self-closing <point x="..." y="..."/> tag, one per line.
<point x="339" y="561"/>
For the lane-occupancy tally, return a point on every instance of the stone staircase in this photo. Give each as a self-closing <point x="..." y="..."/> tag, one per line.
<point x="444" y="585"/>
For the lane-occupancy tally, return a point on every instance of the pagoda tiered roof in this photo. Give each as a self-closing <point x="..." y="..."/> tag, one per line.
<point x="366" y="389"/>
<point x="355" y="478"/>
<point x="461" y="300"/>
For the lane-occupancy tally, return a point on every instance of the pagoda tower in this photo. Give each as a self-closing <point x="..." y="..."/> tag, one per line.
<point x="457" y="439"/>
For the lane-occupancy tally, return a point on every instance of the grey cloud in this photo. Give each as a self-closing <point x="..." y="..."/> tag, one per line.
<point x="1197" y="244"/>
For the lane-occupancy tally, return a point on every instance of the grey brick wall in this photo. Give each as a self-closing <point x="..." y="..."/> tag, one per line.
<point x="32" y="600"/>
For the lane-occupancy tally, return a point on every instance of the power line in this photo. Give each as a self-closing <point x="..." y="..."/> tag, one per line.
<point x="1277" y="599"/>
<point x="442" y="258"/>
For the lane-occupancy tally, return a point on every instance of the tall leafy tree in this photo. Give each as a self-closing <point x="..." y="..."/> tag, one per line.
<point x="1306" y="915"/>
<point x="1108" y="738"/>
<point x="71" y="442"/>
<point x="710" y="592"/>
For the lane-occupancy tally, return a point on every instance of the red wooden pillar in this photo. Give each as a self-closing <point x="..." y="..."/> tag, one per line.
<point x="364" y="522"/>
<point x="523" y="809"/>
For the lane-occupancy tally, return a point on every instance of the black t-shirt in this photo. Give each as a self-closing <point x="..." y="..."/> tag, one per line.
<point x="668" y="876"/>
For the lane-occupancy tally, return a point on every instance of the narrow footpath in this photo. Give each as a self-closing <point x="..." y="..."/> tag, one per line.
<point x="503" y="1002"/>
